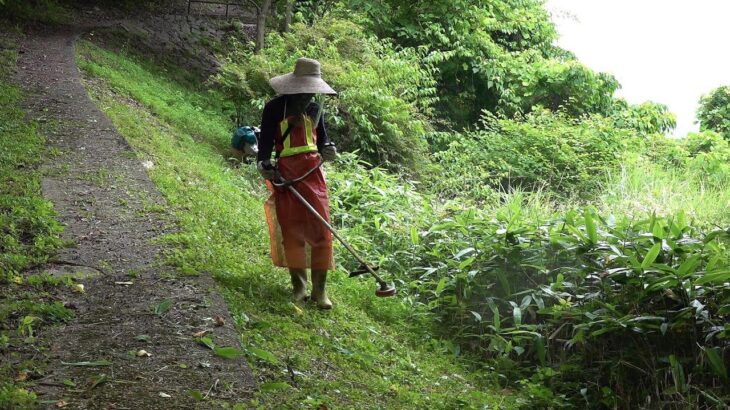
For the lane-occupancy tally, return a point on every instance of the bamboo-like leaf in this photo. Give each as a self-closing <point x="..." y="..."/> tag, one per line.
<point x="97" y="363"/>
<point x="466" y="263"/>
<point x="414" y="235"/>
<point x="677" y="374"/>
<point x="540" y="350"/>
<point x="517" y="314"/>
<point x="591" y="228"/>
<point x="196" y="394"/>
<point x="227" y="352"/>
<point x="441" y="286"/>
<point x="274" y="386"/>
<point x="658" y="230"/>
<point x="688" y="266"/>
<point x="651" y="255"/>
<point x="206" y="341"/>
<point x="263" y="355"/>
<point x="162" y="307"/>
<point x="716" y="363"/>
<point x="719" y="276"/>
<point x="495" y="315"/>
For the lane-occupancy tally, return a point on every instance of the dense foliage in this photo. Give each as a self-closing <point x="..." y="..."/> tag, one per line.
<point x="540" y="150"/>
<point x="714" y="111"/>
<point x="608" y="303"/>
<point x="493" y="55"/>
<point x="644" y="119"/>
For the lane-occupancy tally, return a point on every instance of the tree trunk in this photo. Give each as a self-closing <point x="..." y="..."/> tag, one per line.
<point x="288" y="15"/>
<point x="263" y="12"/>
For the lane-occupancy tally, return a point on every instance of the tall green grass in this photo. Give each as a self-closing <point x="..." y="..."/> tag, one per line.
<point x="641" y="188"/>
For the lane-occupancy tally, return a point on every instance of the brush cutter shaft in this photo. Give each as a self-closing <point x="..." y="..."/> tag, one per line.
<point x="334" y="232"/>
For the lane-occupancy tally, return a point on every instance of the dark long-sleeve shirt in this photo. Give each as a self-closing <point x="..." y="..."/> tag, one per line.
<point x="273" y="115"/>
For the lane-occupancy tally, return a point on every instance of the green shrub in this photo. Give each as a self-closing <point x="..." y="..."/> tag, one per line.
<point x="646" y="119"/>
<point x="704" y="156"/>
<point x="543" y="150"/>
<point x="709" y="154"/>
<point x="714" y="111"/>
<point x="496" y="55"/>
<point x="384" y="93"/>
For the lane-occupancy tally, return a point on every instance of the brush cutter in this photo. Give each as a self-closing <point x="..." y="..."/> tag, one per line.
<point x="384" y="290"/>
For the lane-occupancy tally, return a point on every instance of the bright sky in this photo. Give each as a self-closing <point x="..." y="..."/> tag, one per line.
<point x="668" y="51"/>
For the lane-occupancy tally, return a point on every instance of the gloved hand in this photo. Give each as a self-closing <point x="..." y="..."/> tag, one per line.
<point x="328" y="152"/>
<point x="266" y="169"/>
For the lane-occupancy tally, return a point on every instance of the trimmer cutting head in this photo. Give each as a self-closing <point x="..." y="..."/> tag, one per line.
<point x="385" y="290"/>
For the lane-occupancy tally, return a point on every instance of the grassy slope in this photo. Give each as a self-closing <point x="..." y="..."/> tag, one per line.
<point x="365" y="354"/>
<point x="28" y="235"/>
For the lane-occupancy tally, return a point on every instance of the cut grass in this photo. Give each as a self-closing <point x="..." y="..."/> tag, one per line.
<point x="367" y="353"/>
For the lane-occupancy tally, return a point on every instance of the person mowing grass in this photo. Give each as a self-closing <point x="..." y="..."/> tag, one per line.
<point x="292" y="124"/>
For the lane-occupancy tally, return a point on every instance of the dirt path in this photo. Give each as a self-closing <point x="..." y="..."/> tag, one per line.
<point x="113" y="214"/>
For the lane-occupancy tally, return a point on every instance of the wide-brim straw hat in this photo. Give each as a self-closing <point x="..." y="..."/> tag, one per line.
<point x="306" y="79"/>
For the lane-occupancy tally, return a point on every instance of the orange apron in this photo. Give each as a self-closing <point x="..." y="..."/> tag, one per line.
<point x="298" y="240"/>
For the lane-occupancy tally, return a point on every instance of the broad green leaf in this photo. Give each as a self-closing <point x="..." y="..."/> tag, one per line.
<point x="719" y="276"/>
<point x="414" y="235"/>
<point x="495" y="313"/>
<point x="463" y="252"/>
<point x="591" y="228"/>
<point x="688" y="266"/>
<point x="263" y="355"/>
<point x="540" y="350"/>
<point x="196" y="394"/>
<point x="517" y="315"/>
<point x="677" y="374"/>
<point x="466" y="263"/>
<point x="651" y="255"/>
<point x="658" y="230"/>
<point x="162" y="307"/>
<point x="441" y="286"/>
<point x="716" y="362"/>
<point x="227" y="352"/>
<point x="713" y="261"/>
<point x="274" y="386"/>
<point x="206" y="341"/>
